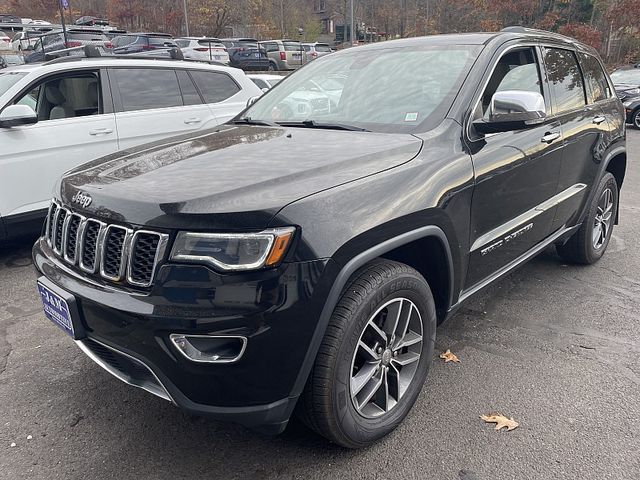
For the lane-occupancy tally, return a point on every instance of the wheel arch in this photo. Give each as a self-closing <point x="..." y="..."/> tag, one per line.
<point x="402" y="247"/>
<point x="617" y="166"/>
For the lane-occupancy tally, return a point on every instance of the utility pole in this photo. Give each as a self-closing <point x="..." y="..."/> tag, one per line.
<point x="62" y="5"/>
<point x="186" y="18"/>
<point x="352" y="23"/>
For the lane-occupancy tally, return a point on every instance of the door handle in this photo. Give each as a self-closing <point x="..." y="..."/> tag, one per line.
<point x="550" y="137"/>
<point x="100" y="131"/>
<point x="192" y="121"/>
<point x="599" y="119"/>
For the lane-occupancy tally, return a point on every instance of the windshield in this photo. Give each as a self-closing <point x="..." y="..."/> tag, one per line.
<point x="626" y="76"/>
<point x="8" y="80"/>
<point x="382" y="90"/>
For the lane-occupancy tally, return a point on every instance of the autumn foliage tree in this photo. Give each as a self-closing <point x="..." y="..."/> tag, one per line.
<point x="609" y="25"/>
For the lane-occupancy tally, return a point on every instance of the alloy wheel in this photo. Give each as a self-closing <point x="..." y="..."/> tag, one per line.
<point x="386" y="358"/>
<point x="603" y="219"/>
<point x="636" y="119"/>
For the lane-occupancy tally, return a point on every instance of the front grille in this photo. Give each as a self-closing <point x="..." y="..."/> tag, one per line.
<point x="113" y="252"/>
<point x="143" y="257"/>
<point x="89" y="245"/>
<point x="71" y="242"/>
<point x="59" y="230"/>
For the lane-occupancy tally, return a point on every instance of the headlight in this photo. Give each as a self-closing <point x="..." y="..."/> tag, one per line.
<point x="233" y="251"/>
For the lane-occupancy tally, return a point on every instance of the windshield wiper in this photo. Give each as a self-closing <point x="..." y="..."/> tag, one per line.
<point x="251" y="121"/>
<point x="328" y="126"/>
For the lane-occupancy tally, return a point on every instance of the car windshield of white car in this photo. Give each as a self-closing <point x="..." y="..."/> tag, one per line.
<point x="389" y="90"/>
<point x="631" y="76"/>
<point x="8" y="80"/>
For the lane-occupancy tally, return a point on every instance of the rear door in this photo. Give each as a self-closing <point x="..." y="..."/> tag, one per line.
<point x="156" y="103"/>
<point x="76" y="124"/>
<point x="221" y="93"/>
<point x="584" y="127"/>
<point x="295" y="54"/>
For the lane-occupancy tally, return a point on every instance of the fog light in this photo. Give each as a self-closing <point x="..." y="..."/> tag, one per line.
<point x="209" y="348"/>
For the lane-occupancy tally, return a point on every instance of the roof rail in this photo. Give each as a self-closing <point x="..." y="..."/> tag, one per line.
<point x="94" y="52"/>
<point x="521" y="29"/>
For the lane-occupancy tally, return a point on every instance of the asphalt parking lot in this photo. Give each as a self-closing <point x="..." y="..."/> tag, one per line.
<point x="555" y="346"/>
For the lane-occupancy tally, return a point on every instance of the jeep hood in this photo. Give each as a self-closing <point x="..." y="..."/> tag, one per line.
<point x="234" y="177"/>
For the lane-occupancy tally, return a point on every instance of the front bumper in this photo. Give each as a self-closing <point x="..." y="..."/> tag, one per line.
<point x="276" y="310"/>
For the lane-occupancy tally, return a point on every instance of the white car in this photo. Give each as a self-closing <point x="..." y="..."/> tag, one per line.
<point x="60" y="114"/>
<point x="203" y="49"/>
<point x="24" y="40"/>
<point x="265" y="81"/>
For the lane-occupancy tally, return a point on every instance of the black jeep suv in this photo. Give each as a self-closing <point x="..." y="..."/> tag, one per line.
<point x="300" y="257"/>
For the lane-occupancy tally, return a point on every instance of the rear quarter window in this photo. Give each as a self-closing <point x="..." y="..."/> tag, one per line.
<point x="214" y="86"/>
<point x="595" y="78"/>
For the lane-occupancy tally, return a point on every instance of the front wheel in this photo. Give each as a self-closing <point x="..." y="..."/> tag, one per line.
<point x="589" y="243"/>
<point x="374" y="357"/>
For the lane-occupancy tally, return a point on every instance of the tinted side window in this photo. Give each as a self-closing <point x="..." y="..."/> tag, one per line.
<point x="143" y="89"/>
<point x="595" y="78"/>
<point x="215" y="87"/>
<point x="189" y="93"/>
<point x="565" y="79"/>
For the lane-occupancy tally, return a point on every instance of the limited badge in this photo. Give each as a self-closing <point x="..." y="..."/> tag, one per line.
<point x="411" y="117"/>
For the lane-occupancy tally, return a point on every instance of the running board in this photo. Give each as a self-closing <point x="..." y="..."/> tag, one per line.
<point x="513" y="264"/>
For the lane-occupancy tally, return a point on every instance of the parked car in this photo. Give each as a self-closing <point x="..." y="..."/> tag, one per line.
<point x="286" y="54"/>
<point x="61" y="114"/>
<point x="315" y="50"/>
<point x="76" y="37"/>
<point x="4" y="39"/>
<point x="627" y="82"/>
<point x="25" y="40"/>
<point x="142" y="42"/>
<point x="202" y="48"/>
<point x="9" y="58"/>
<point x="276" y="263"/>
<point x="265" y="81"/>
<point x="7" y="18"/>
<point x="251" y="58"/>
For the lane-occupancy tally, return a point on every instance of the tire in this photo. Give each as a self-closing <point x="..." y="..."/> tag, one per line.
<point x="272" y="67"/>
<point x="635" y="119"/>
<point x="376" y="292"/>
<point x="589" y="243"/>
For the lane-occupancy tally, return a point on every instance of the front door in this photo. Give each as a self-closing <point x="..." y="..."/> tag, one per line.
<point x="72" y="129"/>
<point x="516" y="174"/>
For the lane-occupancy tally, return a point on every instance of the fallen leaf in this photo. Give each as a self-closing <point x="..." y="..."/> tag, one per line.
<point x="500" y="420"/>
<point x="449" y="357"/>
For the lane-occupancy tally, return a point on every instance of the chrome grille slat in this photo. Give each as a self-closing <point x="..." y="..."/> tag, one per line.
<point x="113" y="252"/>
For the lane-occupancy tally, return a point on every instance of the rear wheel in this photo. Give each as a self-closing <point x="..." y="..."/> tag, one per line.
<point x="272" y="67"/>
<point x="374" y="358"/>
<point x="635" y="120"/>
<point x="590" y="242"/>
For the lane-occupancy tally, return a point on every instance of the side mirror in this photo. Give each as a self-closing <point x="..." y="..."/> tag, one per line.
<point x="264" y="89"/>
<point x="251" y="101"/>
<point x="512" y="110"/>
<point x="17" y="115"/>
